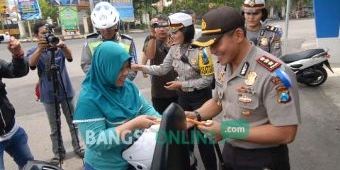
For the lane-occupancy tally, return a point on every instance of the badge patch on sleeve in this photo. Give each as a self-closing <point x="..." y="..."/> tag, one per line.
<point x="283" y="95"/>
<point x="268" y="63"/>
<point x="205" y="62"/>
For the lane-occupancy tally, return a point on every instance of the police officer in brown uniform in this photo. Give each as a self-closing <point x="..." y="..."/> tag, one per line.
<point x="265" y="36"/>
<point x="255" y="92"/>
<point x="195" y="74"/>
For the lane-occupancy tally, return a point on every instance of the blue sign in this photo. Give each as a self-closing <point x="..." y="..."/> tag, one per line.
<point x="327" y="18"/>
<point x="29" y="9"/>
<point x="125" y="10"/>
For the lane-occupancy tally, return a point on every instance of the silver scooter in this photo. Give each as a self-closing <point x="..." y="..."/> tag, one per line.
<point x="308" y="66"/>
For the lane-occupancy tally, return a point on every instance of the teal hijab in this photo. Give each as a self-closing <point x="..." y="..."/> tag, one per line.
<point x="99" y="97"/>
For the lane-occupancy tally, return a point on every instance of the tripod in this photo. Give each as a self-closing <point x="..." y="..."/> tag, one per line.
<point x="54" y="71"/>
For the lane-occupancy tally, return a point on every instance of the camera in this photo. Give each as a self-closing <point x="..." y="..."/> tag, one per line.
<point x="50" y="36"/>
<point x="4" y="37"/>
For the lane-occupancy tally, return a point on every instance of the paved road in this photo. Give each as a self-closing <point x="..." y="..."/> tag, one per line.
<point x="316" y="145"/>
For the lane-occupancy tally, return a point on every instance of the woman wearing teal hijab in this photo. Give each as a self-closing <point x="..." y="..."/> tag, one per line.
<point x="110" y="106"/>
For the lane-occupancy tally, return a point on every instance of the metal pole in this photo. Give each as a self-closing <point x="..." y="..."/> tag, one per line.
<point x="287" y="25"/>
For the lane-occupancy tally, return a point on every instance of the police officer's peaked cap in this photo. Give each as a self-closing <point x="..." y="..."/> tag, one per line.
<point x="179" y="20"/>
<point x="216" y="22"/>
<point x="253" y="5"/>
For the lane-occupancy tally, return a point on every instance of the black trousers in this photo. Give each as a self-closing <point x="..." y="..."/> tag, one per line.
<point x="190" y="101"/>
<point x="274" y="158"/>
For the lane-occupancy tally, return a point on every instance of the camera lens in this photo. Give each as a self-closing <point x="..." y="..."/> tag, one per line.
<point x="154" y="25"/>
<point x="53" y="40"/>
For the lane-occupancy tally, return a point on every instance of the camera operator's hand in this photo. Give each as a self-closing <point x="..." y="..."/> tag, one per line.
<point x="61" y="44"/>
<point x="153" y="22"/>
<point x="15" y="48"/>
<point x="42" y="44"/>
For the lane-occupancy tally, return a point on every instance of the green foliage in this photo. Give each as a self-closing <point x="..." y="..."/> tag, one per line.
<point x="199" y="6"/>
<point x="48" y="10"/>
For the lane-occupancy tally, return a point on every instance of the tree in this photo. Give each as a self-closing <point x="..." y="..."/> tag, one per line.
<point x="48" y="10"/>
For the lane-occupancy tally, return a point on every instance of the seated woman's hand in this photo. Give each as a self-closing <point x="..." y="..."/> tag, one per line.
<point x="144" y="121"/>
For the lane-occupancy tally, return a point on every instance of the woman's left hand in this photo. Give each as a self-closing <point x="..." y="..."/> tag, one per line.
<point x="212" y="131"/>
<point x="144" y="121"/>
<point x="173" y="85"/>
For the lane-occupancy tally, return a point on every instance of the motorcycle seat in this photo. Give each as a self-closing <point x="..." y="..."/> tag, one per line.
<point x="289" y="58"/>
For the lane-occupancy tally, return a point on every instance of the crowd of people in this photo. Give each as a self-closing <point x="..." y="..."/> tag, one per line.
<point x="229" y="68"/>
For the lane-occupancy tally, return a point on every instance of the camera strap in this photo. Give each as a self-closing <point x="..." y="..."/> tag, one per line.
<point x="184" y="59"/>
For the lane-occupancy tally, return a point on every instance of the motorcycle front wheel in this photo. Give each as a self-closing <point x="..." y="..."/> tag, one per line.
<point x="320" y="79"/>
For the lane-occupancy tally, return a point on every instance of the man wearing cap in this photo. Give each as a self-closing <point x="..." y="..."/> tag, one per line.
<point x="255" y="92"/>
<point x="265" y="36"/>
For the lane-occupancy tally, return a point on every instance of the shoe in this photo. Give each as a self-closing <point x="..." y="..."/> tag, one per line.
<point x="80" y="152"/>
<point x="55" y="160"/>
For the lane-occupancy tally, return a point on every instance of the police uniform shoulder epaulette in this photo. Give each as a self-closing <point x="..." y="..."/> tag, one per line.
<point x="92" y="35"/>
<point x="125" y="36"/>
<point x="269" y="63"/>
<point x="271" y="28"/>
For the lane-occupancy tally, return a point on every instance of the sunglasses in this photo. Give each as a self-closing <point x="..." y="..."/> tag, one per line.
<point x="252" y="12"/>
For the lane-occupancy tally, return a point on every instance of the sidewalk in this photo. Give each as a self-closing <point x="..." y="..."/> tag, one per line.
<point x="38" y="131"/>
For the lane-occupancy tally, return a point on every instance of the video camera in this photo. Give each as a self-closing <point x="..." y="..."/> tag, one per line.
<point x="50" y="37"/>
<point x="4" y="37"/>
<point x="160" y="24"/>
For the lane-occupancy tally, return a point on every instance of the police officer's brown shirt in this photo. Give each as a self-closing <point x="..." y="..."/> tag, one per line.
<point x="258" y="103"/>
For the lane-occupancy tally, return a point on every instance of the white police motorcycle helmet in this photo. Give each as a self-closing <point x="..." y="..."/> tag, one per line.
<point x="104" y="15"/>
<point x="140" y="153"/>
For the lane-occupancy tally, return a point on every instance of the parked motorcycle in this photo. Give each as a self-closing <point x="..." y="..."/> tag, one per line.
<point x="308" y="66"/>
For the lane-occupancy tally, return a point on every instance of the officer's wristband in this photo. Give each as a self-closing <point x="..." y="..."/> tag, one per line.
<point x="234" y="129"/>
<point x="198" y="115"/>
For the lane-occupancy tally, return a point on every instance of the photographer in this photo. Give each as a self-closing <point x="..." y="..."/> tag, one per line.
<point x="156" y="47"/>
<point x="41" y="57"/>
<point x="13" y="138"/>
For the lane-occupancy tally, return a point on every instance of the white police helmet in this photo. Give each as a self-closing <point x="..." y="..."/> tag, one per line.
<point x="140" y="153"/>
<point x="104" y="15"/>
<point x="254" y="4"/>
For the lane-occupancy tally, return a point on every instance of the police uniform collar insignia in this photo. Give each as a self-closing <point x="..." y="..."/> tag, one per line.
<point x="271" y="28"/>
<point x="268" y="63"/>
<point x="244" y="69"/>
<point x="250" y="78"/>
